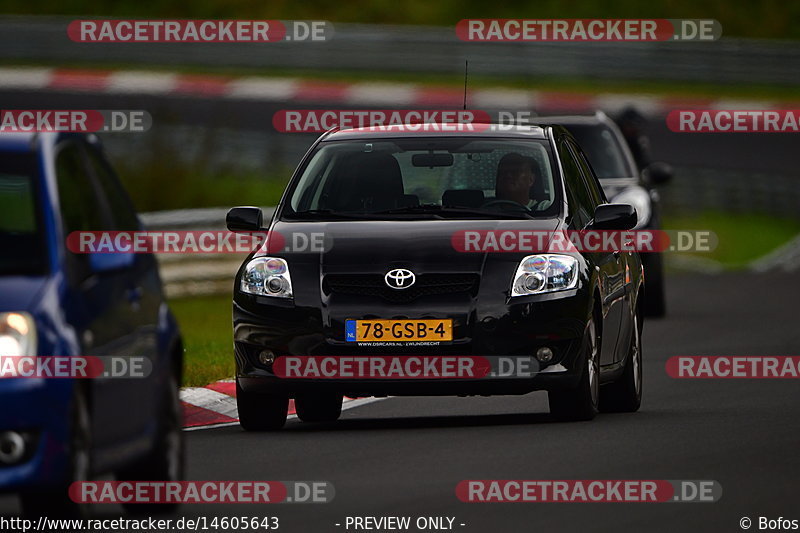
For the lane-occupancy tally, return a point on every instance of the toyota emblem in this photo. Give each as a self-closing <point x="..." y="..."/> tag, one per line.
<point x="399" y="278"/>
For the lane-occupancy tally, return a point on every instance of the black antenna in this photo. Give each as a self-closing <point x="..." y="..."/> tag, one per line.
<point x="466" y="70"/>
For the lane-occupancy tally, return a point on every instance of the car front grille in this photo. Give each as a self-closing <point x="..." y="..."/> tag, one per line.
<point x="425" y="285"/>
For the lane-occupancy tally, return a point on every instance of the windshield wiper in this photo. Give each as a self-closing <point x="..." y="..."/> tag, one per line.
<point x="323" y="213"/>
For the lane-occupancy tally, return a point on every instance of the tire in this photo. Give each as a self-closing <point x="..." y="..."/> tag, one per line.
<point x="261" y="412"/>
<point x="655" y="300"/>
<point x="55" y="501"/>
<point x="581" y="402"/>
<point x="625" y="395"/>
<point x="166" y="462"/>
<point x="319" y="407"/>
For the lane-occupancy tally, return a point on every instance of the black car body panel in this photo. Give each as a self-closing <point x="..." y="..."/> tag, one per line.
<point x="619" y="175"/>
<point x="473" y="289"/>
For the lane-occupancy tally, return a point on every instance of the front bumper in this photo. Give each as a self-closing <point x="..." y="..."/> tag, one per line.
<point x="514" y="330"/>
<point x="39" y="409"/>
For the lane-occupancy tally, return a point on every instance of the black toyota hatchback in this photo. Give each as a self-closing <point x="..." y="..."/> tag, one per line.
<point x="368" y="261"/>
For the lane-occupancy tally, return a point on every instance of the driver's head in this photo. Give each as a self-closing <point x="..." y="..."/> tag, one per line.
<point x="515" y="177"/>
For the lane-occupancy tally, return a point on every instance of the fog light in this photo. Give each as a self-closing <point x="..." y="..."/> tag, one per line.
<point x="544" y="354"/>
<point x="266" y="357"/>
<point x="12" y="447"/>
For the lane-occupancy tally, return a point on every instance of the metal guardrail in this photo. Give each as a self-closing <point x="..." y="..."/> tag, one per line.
<point x="426" y="49"/>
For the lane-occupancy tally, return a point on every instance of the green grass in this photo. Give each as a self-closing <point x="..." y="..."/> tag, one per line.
<point x="161" y="176"/>
<point x="203" y="191"/>
<point x="742" y="238"/>
<point x="160" y="179"/>
<point x="208" y="338"/>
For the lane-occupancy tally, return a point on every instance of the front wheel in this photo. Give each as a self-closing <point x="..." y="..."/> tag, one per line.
<point x="625" y="395"/>
<point x="581" y="402"/>
<point x="261" y="412"/>
<point x="166" y="461"/>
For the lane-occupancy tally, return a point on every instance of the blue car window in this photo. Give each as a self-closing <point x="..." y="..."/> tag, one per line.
<point x="123" y="216"/>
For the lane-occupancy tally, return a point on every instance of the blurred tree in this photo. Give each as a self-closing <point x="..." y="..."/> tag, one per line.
<point x="775" y="19"/>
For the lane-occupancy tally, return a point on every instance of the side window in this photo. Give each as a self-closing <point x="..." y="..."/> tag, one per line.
<point x="577" y="193"/>
<point x="123" y="216"/>
<point x="80" y="209"/>
<point x="595" y="191"/>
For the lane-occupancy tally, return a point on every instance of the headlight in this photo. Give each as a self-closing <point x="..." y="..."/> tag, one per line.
<point x="267" y="276"/>
<point x="639" y="198"/>
<point x="541" y="273"/>
<point x="17" y="335"/>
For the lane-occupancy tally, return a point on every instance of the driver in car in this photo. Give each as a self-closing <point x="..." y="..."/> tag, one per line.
<point x="516" y="175"/>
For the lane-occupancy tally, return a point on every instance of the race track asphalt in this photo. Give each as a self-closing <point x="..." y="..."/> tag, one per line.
<point x="404" y="456"/>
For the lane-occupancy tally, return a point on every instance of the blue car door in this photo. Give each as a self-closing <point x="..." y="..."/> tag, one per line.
<point x="96" y="306"/>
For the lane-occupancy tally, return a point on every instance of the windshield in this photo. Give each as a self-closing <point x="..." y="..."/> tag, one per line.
<point x="21" y="236"/>
<point x="424" y="178"/>
<point x="602" y="148"/>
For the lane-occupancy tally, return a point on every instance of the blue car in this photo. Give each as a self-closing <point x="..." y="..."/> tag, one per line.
<point x="57" y="303"/>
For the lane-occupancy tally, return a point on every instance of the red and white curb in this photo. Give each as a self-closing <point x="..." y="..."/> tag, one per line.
<point x="214" y="406"/>
<point x="346" y="94"/>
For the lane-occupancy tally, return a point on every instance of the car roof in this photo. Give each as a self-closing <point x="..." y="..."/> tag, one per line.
<point x="17" y="141"/>
<point x="594" y="119"/>
<point x="436" y="130"/>
<point x="31" y="141"/>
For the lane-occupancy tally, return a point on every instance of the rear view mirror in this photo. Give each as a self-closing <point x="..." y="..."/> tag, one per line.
<point x="657" y="173"/>
<point x="244" y="219"/>
<point x="432" y="160"/>
<point x="615" y="217"/>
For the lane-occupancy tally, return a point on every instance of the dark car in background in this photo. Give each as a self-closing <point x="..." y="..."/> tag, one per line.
<point x="57" y="303"/>
<point x="389" y="204"/>
<point x="624" y="181"/>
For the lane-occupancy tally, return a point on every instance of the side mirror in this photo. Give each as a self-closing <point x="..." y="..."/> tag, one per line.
<point x="614" y="217"/>
<point x="657" y="173"/>
<point x="109" y="261"/>
<point x="244" y="219"/>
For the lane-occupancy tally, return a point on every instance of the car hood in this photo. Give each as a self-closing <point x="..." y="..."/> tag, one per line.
<point x="423" y="246"/>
